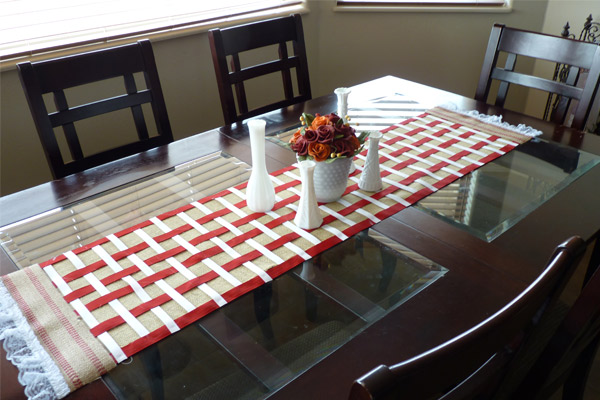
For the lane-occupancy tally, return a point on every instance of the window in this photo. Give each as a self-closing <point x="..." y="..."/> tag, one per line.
<point x="446" y="4"/>
<point x="29" y="27"/>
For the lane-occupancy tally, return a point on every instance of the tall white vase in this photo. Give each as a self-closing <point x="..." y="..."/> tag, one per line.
<point x="342" y="102"/>
<point x="260" y="194"/>
<point x="308" y="215"/>
<point x="342" y="94"/>
<point x="370" y="179"/>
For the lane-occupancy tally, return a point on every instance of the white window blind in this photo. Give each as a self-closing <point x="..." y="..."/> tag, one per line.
<point x="28" y="27"/>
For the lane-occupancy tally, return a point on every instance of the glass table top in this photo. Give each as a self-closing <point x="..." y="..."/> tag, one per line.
<point x="259" y="342"/>
<point x="495" y="197"/>
<point x="264" y="339"/>
<point x="492" y="199"/>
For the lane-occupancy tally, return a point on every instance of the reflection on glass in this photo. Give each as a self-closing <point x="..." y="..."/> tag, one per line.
<point x="38" y="239"/>
<point x="496" y="196"/>
<point x="366" y="115"/>
<point x="264" y="339"/>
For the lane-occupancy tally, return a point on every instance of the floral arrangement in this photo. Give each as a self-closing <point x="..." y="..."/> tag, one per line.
<point x="326" y="138"/>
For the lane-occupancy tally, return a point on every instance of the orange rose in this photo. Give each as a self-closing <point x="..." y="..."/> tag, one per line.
<point x="294" y="138"/>
<point x="319" y="151"/>
<point x="318" y="121"/>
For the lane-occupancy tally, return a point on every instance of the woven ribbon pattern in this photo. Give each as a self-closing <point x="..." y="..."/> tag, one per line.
<point x="137" y="286"/>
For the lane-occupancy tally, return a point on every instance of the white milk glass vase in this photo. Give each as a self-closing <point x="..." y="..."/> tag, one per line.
<point x="308" y="215"/>
<point x="342" y="94"/>
<point x="370" y="179"/>
<point x="260" y="194"/>
<point x="331" y="179"/>
<point x="342" y="102"/>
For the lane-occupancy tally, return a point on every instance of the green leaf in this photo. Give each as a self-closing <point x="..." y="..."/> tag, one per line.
<point x="308" y="118"/>
<point x="363" y="136"/>
<point x="359" y="150"/>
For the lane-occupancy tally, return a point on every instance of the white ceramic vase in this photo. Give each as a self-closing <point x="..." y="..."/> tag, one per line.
<point x="331" y="179"/>
<point x="370" y="179"/>
<point x="342" y="102"/>
<point x="308" y="215"/>
<point x="260" y="194"/>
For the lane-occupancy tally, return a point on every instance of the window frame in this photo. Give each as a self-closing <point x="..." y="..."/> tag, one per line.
<point x="488" y="6"/>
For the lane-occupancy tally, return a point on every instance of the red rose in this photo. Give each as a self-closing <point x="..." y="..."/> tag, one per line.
<point x="325" y="133"/>
<point x="310" y="135"/>
<point x="300" y="146"/>
<point x="344" y="130"/>
<point x="333" y="118"/>
<point x="343" y="147"/>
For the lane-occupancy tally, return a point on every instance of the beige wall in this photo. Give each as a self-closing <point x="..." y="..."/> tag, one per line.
<point x="440" y="49"/>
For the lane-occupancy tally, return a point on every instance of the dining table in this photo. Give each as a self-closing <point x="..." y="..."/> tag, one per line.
<point x="394" y="290"/>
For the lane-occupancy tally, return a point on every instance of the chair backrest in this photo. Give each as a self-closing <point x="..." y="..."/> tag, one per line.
<point x="567" y="358"/>
<point x="478" y="352"/>
<point x="231" y="42"/>
<point x="516" y="42"/>
<point x="56" y="75"/>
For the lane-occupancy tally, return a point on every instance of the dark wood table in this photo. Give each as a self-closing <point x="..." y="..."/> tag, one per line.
<point x="482" y="276"/>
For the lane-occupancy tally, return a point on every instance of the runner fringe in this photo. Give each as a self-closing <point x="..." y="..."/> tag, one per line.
<point x="494" y="120"/>
<point x="37" y="372"/>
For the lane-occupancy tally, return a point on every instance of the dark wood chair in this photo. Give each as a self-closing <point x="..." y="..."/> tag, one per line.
<point x="56" y="75"/>
<point x="231" y="42"/>
<point x="472" y="364"/>
<point x="516" y="42"/>
<point x="567" y="358"/>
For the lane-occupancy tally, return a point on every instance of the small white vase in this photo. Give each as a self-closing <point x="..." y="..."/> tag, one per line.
<point x="260" y="194"/>
<point x="342" y="102"/>
<point x="331" y="179"/>
<point x="308" y="215"/>
<point x="370" y="179"/>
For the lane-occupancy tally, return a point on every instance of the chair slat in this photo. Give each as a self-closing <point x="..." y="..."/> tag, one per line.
<point x="99" y="107"/>
<point x="546" y="47"/>
<point x="105" y="64"/>
<point x="547" y="85"/>
<point x="263" y="69"/>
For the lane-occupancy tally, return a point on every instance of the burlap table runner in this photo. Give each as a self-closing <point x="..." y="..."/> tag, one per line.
<point x="93" y="307"/>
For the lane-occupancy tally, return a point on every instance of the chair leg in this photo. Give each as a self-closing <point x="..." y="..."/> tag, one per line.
<point x="574" y="387"/>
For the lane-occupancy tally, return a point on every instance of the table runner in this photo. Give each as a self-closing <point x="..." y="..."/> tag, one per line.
<point x="132" y="288"/>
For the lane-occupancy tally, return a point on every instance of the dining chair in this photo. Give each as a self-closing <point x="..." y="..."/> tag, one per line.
<point x="58" y="76"/>
<point x="471" y="364"/>
<point x="525" y="44"/>
<point x="230" y="42"/>
<point x="567" y="358"/>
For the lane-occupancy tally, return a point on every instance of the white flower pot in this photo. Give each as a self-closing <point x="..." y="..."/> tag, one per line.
<point x="331" y="179"/>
